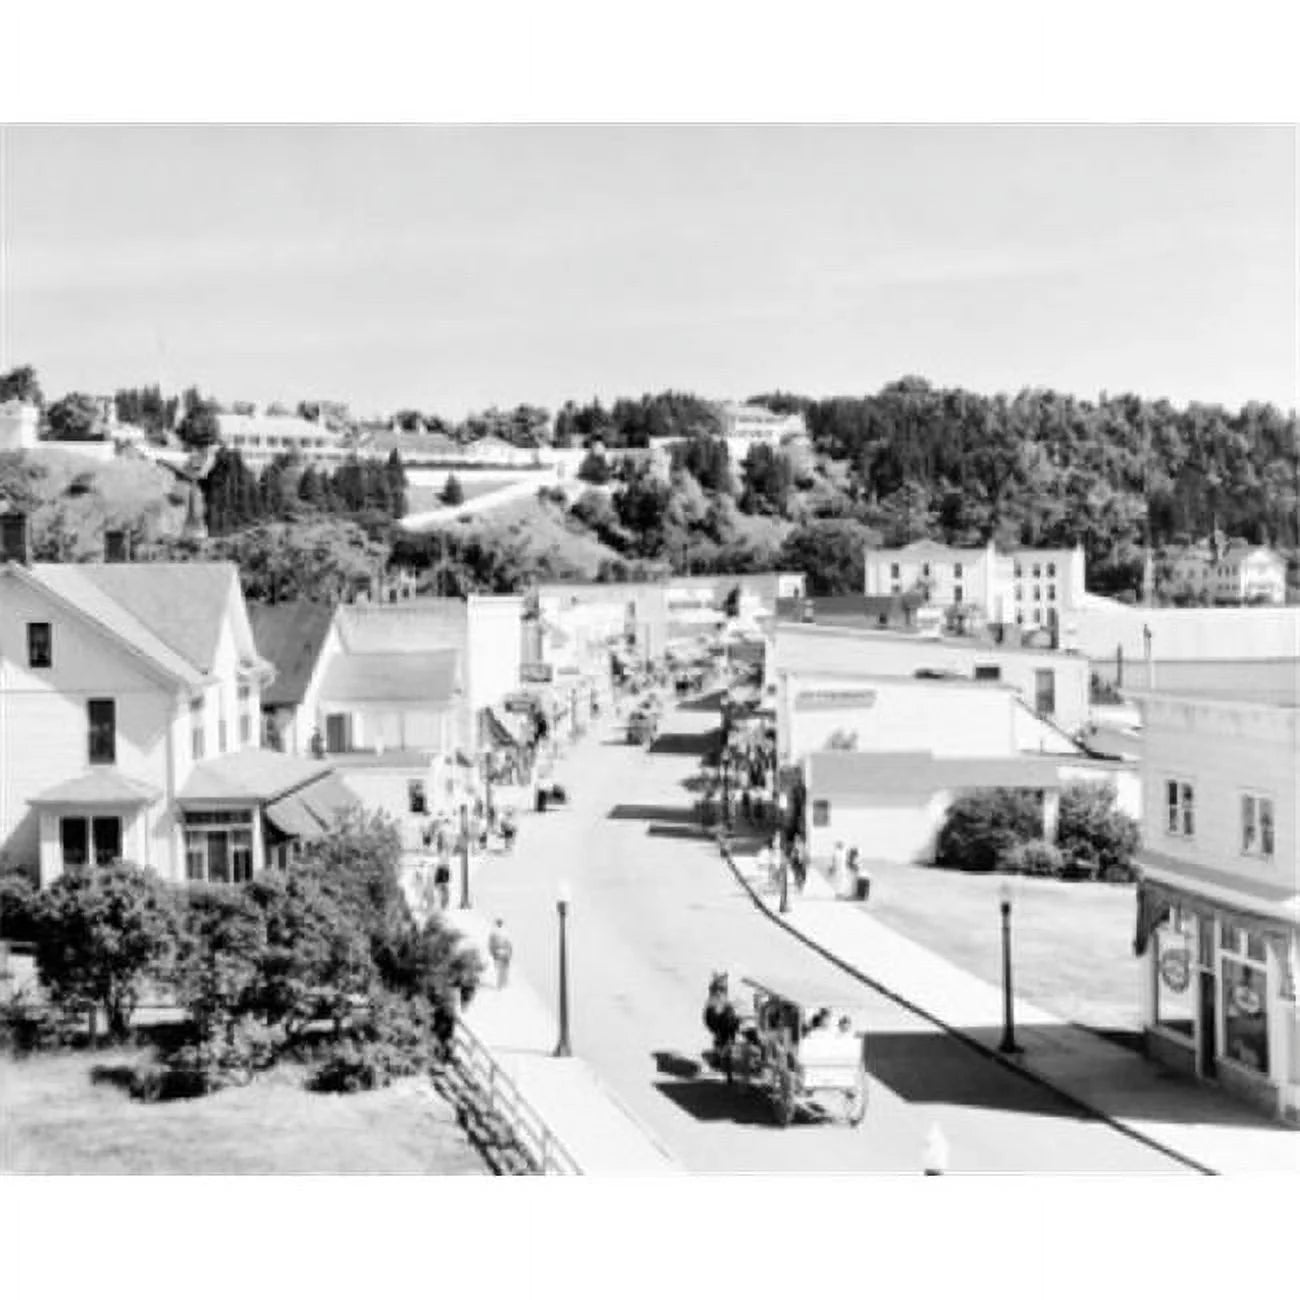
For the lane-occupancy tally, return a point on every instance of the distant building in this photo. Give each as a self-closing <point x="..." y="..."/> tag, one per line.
<point x="1215" y="571"/>
<point x="1027" y="588"/>
<point x="20" y="425"/>
<point x="1219" y="899"/>
<point x="260" y="438"/>
<point x="745" y="425"/>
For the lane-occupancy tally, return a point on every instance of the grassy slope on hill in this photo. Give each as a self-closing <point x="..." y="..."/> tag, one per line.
<point x="539" y="530"/>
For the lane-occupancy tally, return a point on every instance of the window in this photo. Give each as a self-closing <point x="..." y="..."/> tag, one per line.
<point x="245" y="715"/>
<point x="1257" y="825"/>
<point x="894" y="571"/>
<point x="1044" y="689"/>
<point x="1020" y="593"/>
<point x="925" y="570"/>
<point x="102" y="716"/>
<point x="87" y="840"/>
<point x="196" y="728"/>
<point x="956" y="571"/>
<point x="1180" y="812"/>
<point x="958" y="594"/>
<point x="988" y="673"/>
<point x="338" y="733"/>
<point x="1038" y="572"/>
<point x="1038" y="594"/>
<point x="1020" y="618"/>
<point x="1051" y="591"/>
<point x="40" y="648"/>
<point x="1245" y="1014"/>
<point x="221" y="735"/>
<point x="415" y="797"/>
<point x="219" y="846"/>
<point x="1017" y="569"/>
<point x="821" y="811"/>
<point x="1051" y="570"/>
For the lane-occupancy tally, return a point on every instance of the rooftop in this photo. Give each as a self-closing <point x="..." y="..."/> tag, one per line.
<point x="289" y="636"/>
<point x="848" y="774"/>
<point x="417" y="677"/>
<point x="253" y="774"/>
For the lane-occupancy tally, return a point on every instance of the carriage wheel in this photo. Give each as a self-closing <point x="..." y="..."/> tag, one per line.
<point x="784" y="1098"/>
<point x="855" y="1102"/>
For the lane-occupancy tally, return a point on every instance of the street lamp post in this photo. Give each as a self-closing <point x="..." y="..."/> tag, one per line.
<point x="562" y="907"/>
<point x="1008" y="1043"/>
<point x="464" y="856"/>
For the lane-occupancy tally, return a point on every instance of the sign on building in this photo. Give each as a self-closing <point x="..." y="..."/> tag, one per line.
<point x="536" y="673"/>
<point x="830" y="700"/>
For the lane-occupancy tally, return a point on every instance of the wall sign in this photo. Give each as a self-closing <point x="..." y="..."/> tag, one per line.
<point x="831" y="700"/>
<point x="1176" y="969"/>
<point x="535" y="672"/>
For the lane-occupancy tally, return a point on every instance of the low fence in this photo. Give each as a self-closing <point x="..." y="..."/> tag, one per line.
<point x="530" y="1131"/>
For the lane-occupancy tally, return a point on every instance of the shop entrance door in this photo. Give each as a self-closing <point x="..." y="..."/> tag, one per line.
<point x="1209" y="1015"/>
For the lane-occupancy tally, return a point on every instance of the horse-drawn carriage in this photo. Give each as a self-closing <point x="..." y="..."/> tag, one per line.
<point x="799" y="1046"/>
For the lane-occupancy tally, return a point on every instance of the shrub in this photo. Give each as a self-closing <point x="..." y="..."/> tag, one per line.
<point x="18" y="906"/>
<point x="220" y="1055"/>
<point x="1096" y="839"/>
<point x="452" y="493"/>
<point x="436" y="965"/>
<point x="982" y="827"/>
<point x="1033" y="858"/>
<point x="221" y="954"/>
<point x="100" y="935"/>
<point x="394" y="1040"/>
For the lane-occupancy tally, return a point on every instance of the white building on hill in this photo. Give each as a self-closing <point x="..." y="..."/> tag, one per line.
<point x="1027" y="587"/>
<point x="260" y="438"/>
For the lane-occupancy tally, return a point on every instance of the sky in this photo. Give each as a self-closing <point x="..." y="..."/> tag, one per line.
<point x="451" y="268"/>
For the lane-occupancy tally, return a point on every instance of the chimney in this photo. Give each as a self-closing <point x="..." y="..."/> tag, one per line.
<point x="117" y="546"/>
<point x="15" y="538"/>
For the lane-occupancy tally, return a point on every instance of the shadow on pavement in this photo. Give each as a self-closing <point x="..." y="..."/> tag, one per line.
<point x="679" y="832"/>
<point x="677" y="1065"/>
<point x="682" y="742"/>
<point x="711" y="703"/>
<point x="713" y="1101"/>
<point x="652" y="812"/>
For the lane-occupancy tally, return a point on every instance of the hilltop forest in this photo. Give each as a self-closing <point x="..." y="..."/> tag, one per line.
<point x="1039" y="468"/>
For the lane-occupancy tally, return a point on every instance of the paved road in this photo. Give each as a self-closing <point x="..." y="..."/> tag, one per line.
<point x="655" y="910"/>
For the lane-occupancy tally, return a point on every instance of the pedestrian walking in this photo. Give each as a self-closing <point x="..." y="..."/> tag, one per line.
<point x="838" y="856"/>
<point x="500" y="949"/>
<point x="508" y="830"/>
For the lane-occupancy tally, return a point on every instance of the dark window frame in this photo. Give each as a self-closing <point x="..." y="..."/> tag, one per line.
<point x="33" y="632"/>
<point x="101" y="739"/>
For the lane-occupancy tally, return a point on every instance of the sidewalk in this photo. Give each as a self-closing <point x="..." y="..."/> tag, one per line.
<point x="1180" y="1116"/>
<point x="521" y="1033"/>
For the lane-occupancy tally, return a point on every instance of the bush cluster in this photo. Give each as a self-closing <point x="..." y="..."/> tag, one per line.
<point x="1001" y="830"/>
<point x="258" y="968"/>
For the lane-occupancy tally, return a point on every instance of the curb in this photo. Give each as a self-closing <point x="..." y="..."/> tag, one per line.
<point x="987" y="1052"/>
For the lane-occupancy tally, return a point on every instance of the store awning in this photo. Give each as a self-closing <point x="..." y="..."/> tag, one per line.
<point x="310" y="811"/>
<point x="505" y="730"/>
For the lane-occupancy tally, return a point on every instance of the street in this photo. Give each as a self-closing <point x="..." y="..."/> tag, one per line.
<point x="655" y="911"/>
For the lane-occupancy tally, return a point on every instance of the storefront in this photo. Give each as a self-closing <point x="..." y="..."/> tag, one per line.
<point x="1219" y="980"/>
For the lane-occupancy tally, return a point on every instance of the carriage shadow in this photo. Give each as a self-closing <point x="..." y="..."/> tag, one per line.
<point x="710" y="1099"/>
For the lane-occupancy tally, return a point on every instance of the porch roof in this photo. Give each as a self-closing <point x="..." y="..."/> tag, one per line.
<point x="1280" y="897"/>
<point x="310" y="811"/>
<point x="250" y="775"/>
<point x="101" y="787"/>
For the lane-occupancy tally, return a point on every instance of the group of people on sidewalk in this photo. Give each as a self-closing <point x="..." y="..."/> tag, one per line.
<point x="845" y="872"/>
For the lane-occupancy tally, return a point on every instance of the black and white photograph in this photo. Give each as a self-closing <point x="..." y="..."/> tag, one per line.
<point x="649" y="649"/>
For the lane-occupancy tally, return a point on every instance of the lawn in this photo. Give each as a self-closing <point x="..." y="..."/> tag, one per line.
<point x="55" y="1120"/>
<point x="1072" y="942"/>
<point x="425" y="498"/>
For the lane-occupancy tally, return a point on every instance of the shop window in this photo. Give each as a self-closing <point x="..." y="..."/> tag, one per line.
<point x="415" y="797"/>
<point x="40" y="645"/>
<point x="1180" y="811"/>
<point x="821" y="812"/>
<point x="1245" y="1014"/>
<point x="1175" y="997"/>
<point x="988" y="673"/>
<point x="1257" y="825"/>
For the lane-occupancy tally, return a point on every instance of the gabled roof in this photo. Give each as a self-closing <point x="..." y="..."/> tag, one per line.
<point x="73" y="587"/>
<point x="423" y="624"/>
<point x="847" y="774"/>
<point x="184" y="605"/>
<point x="427" y="677"/>
<point x="290" y="637"/>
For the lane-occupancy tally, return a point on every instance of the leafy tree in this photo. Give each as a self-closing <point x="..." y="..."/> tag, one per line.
<point x="199" y="427"/>
<point x="395" y="472"/>
<point x="231" y="494"/>
<point x="312" y="489"/>
<point x="220" y="957"/>
<point x="1095" y="837"/>
<point x="831" y="552"/>
<point x="21" y="385"/>
<point x="74" y="418"/>
<point x="318" y="559"/>
<point x="452" y="493"/>
<point x="982" y="827"/>
<point x="101" y="935"/>
<point x="708" y="460"/>
<point x="768" y="477"/>
<point x="594" y="469"/>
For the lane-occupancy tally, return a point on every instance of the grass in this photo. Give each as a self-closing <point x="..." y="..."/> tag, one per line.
<point x="1071" y="942"/>
<point x="55" y="1120"/>
<point x="424" y="498"/>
